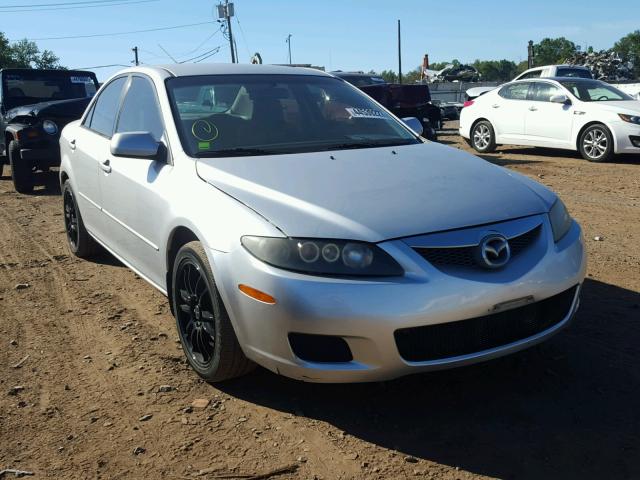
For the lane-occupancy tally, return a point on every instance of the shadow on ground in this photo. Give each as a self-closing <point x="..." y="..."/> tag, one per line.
<point x="565" y="409"/>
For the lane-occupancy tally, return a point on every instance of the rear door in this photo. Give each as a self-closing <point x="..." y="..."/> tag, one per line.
<point x="90" y="147"/>
<point x="509" y="110"/>
<point x="547" y="123"/>
<point x="133" y="203"/>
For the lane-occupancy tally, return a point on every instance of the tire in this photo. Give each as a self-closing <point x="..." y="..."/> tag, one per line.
<point x="206" y="334"/>
<point x="596" y="144"/>
<point x="483" y="138"/>
<point x="21" y="170"/>
<point x="81" y="244"/>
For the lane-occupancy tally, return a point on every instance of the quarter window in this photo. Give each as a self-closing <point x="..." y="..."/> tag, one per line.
<point x="140" y="112"/>
<point x="515" y="91"/>
<point x="103" y="115"/>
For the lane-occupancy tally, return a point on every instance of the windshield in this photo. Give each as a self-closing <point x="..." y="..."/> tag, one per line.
<point x="594" y="91"/>
<point x="35" y="86"/>
<point x="232" y="115"/>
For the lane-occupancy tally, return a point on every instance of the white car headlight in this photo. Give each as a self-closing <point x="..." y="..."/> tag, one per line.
<point x="630" y="118"/>
<point x="560" y="220"/>
<point x="50" y="127"/>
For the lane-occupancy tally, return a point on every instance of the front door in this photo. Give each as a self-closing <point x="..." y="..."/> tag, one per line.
<point x="548" y="123"/>
<point x="133" y="204"/>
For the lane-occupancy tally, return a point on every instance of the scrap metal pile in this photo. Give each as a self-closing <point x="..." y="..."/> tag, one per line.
<point x="605" y="65"/>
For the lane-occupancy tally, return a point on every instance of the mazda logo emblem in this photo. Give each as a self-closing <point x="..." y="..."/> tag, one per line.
<point x="494" y="251"/>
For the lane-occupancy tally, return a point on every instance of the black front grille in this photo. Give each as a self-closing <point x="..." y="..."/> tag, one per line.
<point x="465" y="256"/>
<point x="434" y="342"/>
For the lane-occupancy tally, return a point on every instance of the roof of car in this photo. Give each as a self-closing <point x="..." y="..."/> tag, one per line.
<point x="555" y="79"/>
<point x="193" y="69"/>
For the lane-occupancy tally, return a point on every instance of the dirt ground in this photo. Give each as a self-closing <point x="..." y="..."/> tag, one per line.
<point x="97" y="344"/>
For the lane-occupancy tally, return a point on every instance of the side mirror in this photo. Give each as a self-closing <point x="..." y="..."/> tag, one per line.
<point x="414" y="124"/>
<point x="134" y="144"/>
<point x="560" y="98"/>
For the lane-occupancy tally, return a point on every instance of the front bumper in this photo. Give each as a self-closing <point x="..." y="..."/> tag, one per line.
<point x="625" y="133"/>
<point x="366" y="314"/>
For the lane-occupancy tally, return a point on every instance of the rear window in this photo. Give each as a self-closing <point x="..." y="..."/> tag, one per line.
<point x="34" y="86"/>
<point x="573" y="72"/>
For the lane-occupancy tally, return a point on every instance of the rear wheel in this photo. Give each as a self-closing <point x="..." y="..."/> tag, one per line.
<point x="483" y="138"/>
<point x="206" y="334"/>
<point x="80" y="242"/>
<point x="596" y="144"/>
<point x="21" y="170"/>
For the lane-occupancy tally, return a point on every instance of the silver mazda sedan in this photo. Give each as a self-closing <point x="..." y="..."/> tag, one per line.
<point x="295" y="223"/>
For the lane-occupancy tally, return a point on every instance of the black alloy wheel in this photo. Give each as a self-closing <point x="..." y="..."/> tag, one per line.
<point x="195" y="314"/>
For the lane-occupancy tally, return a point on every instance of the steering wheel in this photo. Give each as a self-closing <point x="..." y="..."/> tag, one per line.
<point x="603" y="97"/>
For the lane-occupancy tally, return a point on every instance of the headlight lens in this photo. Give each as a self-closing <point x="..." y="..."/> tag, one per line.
<point x="50" y="127"/>
<point x="560" y="220"/>
<point x="323" y="257"/>
<point x="630" y="118"/>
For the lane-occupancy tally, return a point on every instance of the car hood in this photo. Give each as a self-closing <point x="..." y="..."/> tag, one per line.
<point x="54" y="109"/>
<point x="376" y="194"/>
<point x="631" y="107"/>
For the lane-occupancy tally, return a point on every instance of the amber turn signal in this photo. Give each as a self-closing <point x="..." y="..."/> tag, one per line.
<point x="257" y="294"/>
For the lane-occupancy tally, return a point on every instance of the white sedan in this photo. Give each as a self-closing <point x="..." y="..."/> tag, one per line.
<point x="586" y="115"/>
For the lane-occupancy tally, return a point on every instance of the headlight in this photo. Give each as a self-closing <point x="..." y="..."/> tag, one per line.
<point x="630" y="118"/>
<point x="560" y="220"/>
<point x="323" y="257"/>
<point x="50" y="127"/>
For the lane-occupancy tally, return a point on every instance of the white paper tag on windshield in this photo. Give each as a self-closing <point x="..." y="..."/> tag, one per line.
<point x="81" y="80"/>
<point x="365" y="113"/>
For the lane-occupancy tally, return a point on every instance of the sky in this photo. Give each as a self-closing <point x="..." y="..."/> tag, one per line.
<point x="336" y="34"/>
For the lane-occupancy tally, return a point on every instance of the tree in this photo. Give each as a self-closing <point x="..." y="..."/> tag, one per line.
<point x="25" y="54"/>
<point x="389" y="76"/>
<point x="552" y="51"/>
<point x="496" y="70"/>
<point x="628" y="47"/>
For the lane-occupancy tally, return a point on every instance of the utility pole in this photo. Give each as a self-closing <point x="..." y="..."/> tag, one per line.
<point x="289" y="42"/>
<point x="135" y="55"/>
<point x="225" y="10"/>
<point x="399" y="55"/>
<point x="530" y="54"/>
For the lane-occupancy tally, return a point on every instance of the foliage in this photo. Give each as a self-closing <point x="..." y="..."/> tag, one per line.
<point x="25" y="54"/>
<point x="552" y="51"/>
<point x="389" y="76"/>
<point x="628" y="47"/>
<point x="496" y="70"/>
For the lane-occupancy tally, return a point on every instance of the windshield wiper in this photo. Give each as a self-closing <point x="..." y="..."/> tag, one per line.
<point x="234" y="152"/>
<point x="353" y="145"/>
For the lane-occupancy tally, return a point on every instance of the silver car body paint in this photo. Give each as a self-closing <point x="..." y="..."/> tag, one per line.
<point x="399" y="197"/>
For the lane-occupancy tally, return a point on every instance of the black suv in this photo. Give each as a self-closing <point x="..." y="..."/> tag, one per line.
<point x="34" y="107"/>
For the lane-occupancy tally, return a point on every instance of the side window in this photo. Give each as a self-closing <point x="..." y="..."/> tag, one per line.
<point x="515" y="91"/>
<point x="103" y="116"/>
<point x="534" y="74"/>
<point x="140" y="112"/>
<point x="542" y="92"/>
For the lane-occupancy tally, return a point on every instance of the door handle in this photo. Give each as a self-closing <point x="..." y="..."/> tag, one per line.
<point x="533" y="109"/>
<point x="495" y="105"/>
<point x="106" y="166"/>
<point x="72" y="144"/>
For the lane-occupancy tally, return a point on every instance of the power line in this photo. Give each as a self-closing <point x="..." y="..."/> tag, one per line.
<point x="84" y="2"/>
<point x="101" y="66"/>
<point x="210" y="55"/>
<point x="121" y="33"/>
<point x="112" y="3"/>
<point x="212" y="51"/>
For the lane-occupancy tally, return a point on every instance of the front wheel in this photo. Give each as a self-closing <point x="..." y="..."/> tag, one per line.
<point x="483" y="138"/>
<point x="596" y="144"/>
<point x="206" y="334"/>
<point x="21" y="170"/>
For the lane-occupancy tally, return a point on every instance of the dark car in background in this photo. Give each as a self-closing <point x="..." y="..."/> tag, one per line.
<point x="408" y="101"/>
<point x="34" y="107"/>
<point x="360" y="79"/>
